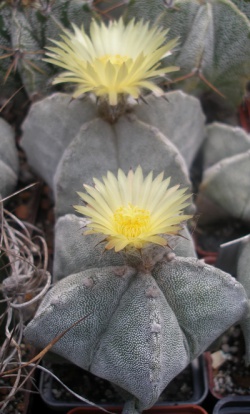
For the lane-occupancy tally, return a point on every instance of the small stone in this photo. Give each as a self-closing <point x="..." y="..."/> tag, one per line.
<point x="218" y="358"/>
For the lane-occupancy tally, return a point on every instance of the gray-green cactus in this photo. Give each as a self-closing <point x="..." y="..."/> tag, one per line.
<point x="224" y="190"/>
<point x="68" y="143"/>
<point x="214" y="43"/>
<point x="26" y="26"/>
<point x="243" y="276"/>
<point x="142" y="326"/>
<point x="214" y="38"/>
<point x="88" y="249"/>
<point x="8" y="159"/>
<point x="244" y="6"/>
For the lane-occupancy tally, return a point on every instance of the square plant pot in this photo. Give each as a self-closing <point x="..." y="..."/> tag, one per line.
<point x="233" y="405"/>
<point x="230" y="376"/>
<point x="189" y="387"/>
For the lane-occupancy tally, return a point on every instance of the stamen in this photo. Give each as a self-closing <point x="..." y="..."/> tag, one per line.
<point x="131" y="221"/>
<point x="114" y="59"/>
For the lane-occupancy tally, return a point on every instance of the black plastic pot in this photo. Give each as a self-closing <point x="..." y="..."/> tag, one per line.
<point x="198" y="378"/>
<point x="233" y="405"/>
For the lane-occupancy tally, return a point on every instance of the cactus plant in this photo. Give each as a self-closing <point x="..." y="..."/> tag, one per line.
<point x="243" y="267"/>
<point x="214" y="46"/>
<point x="59" y="130"/>
<point x="8" y="159"/>
<point x="25" y="29"/>
<point x="244" y="6"/>
<point x="26" y="26"/>
<point x="142" y="327"/>
<point x="88" y="249"/>
<point x="224" y="190"/>
<point x="147" y="318"/>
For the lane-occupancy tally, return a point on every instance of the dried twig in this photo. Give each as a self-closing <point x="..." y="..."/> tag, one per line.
<point x="25" y="281"/>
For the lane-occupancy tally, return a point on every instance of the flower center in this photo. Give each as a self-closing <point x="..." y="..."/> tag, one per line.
<point x="114" y="59"/>
<point x="131" y="221"/>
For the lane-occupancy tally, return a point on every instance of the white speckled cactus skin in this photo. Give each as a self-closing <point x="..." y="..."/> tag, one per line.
<point x="243" y="276"/>
<point x="89" y="252"/>
<point x="27" y="28"/>
<point x="224" y="190"/>
<point x="8" y="159"/>
<point x="244" y="6"/>
<point x="214" y="39"/>
<point x="68" y="143"/>
<point x="143" y="325"/>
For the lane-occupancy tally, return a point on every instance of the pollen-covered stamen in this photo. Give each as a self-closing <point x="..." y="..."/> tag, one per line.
<point x="131" y="221"/>
<point x="112" y="62"/>
<point x="133" y="211"/>
<point x="114" y="59"/>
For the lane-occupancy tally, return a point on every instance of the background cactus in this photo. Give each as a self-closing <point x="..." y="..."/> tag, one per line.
<point x="244" y="6"/>
<point x="26" y="26"/>
<point x="214" y="39"/>
<point x="214" y="43"/>
<point x="224" y="190"/>
<point x="243" y="275"/>
<point x="58" y="130"/>
<point x="8" y="159"/>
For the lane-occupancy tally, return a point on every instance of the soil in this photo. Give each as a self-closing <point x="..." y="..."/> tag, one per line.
<point x="233" y="376"/>
<point x="101" y="391"/>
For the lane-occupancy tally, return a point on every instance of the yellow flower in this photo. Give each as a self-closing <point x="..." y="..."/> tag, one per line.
<point x="132" y="211"/>
<point x="114" y="60"/>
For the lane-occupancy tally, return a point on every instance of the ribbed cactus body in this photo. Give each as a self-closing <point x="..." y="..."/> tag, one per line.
<point x="50" y="127"/>
<point x="142" y="327"/>
<point x="89" y="250"/>
<point x="179" y="118"/>
<point x="214" y="42"/>
<point x="29" y="28"/>
<point x="243" y="6"/>
<point x="68" y="143"/>
<point x="224" y="190"/>
<point x="8" y="159"/>
<point x="99" y="147"/>
<point x="243" y="276"/>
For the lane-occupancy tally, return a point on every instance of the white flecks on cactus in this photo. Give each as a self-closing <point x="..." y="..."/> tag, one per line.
<point x="226" y="185"/>
<point x="243" y="276"/>
<point x="53" y="122"/>
<point x="179" y="117"/>
<point x="50" y="127"/>
<point x="8" y="159"/>
<point x="224" y="191"/>
<point x="243" y="6"/>
<point x="100" y="147"/>
<point x="88" y="249"/>
<point x="214" y="42"/>
<point x="223" y="141"/>
<point x="29" y="26"/>
<point x="194" y="304"/>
